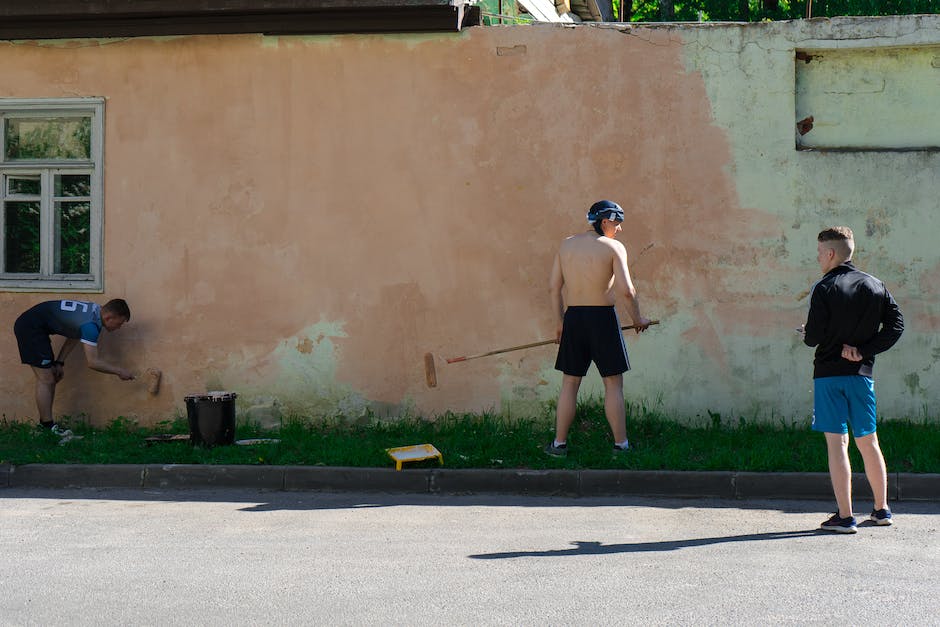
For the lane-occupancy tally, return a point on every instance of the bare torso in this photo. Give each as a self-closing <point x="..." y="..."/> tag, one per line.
<point x="588" y="262"/>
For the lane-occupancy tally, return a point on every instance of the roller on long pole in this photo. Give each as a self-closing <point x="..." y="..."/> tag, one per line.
<point x="430" y="372"/>
<point x="453" y="360"/>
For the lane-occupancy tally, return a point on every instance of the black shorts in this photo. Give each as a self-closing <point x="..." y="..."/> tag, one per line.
<point x="592" y="334"/>
<point x="33" y="341"/>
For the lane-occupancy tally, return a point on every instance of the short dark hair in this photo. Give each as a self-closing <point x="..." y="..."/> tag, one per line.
<point x="835" y="233"/>
<point x="118" y="306"/>
<point x="840" y="239"/>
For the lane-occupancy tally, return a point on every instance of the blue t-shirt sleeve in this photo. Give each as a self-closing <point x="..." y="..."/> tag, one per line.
<point x="90" y="332"/>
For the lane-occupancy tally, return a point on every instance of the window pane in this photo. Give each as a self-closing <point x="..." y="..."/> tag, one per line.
<point x="23" y="184"/>
<point x="21" y="239"/>
<point x="72" y="185"/>
<point x="74" y="234"/>
<point x="48" y="138"/>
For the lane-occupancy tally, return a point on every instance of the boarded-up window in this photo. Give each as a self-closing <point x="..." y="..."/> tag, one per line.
<point x="884" y="99"/>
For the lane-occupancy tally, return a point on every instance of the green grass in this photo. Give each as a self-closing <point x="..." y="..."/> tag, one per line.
<point x="489" y="441"/>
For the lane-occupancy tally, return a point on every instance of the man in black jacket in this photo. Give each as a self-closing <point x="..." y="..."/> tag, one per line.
<point x="852" y="318"/>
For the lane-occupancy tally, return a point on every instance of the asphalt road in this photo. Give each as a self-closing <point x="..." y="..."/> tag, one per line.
<point x="237" y="557"/>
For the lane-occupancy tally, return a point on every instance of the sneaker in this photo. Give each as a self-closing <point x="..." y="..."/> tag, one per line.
<point x="59" y="431"/>
<point x="881" y="517"/>
<point x="45" y="426"/>
<point x="840" y="525"/>
<point x="621" y="450"/>
<point x="556" y="451"/>
<point x="69" y="438"/>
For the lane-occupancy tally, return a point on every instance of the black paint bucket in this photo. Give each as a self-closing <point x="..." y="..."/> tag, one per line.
<point x="211" y="418"/>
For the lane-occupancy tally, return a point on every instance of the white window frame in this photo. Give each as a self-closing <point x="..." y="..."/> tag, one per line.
<point x="46" y="280"/>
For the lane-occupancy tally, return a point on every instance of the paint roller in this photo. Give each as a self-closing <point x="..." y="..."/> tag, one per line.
<point x="153" y="381"/>
<point x="430" y="373"/>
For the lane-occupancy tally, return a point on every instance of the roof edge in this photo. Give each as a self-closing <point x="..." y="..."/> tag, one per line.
<point x="130" y="18"/>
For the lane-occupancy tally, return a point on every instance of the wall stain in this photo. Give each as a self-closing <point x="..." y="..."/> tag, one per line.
<point x="878" y="223"/>
<point x="912" y="381"/>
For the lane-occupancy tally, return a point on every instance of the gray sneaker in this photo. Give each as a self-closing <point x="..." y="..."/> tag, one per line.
<point x="556" y="451"/>
<point x="59" y="431"/>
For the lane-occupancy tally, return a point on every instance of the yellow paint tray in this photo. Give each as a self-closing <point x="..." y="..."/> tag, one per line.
<point x="414" y="453"/>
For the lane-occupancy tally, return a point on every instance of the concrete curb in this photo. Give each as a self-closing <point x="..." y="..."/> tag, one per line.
<point x="691" y="484"/>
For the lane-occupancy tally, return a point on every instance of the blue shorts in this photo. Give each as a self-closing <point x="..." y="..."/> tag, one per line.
<point x="842" y="401"/>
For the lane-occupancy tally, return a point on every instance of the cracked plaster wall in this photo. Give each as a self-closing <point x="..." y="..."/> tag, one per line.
<point x="301" y="219"/>
<point x="887" y="197"/>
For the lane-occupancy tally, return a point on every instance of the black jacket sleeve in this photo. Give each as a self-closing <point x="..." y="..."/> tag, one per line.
<point x="818" y="318"/>
<point x="892" y="326"/>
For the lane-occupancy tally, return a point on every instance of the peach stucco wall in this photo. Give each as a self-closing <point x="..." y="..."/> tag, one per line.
<point x="301" y="219"/>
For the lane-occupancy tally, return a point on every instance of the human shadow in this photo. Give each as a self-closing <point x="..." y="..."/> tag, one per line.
<point x="597" y="548"/>
<point x="258" y="500"/>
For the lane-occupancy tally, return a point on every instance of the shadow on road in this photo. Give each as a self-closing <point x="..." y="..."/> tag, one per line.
<point x="596" y="548"/>
<point x="253" y="500"/>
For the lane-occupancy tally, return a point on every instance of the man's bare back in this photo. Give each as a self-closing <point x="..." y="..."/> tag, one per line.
<point x="589" y="264"/>
<point x="589" y="270"/>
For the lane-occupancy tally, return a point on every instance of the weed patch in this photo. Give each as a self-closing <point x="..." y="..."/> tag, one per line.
<point x="484" y="440"/>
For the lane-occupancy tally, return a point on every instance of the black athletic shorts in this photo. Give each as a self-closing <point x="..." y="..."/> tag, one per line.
<point x="33" y="341"/>
<point x="592" y="334"/>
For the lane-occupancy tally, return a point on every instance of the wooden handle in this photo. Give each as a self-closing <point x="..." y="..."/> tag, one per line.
<point x="454" y="360"/>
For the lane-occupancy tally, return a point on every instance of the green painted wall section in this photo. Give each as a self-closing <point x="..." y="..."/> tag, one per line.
<point x="889" y="198"/>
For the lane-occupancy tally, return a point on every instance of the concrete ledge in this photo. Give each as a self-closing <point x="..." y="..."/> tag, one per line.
<point x="718" y="484"/>
<point x="803" y="485"/>
<point x="657" y="483"/>
<point x="913" y="487"/>
<point x="77" y="476"/>
<point x="862" y="490"/>
<point x="355" y="479"/>
<point x="208" y="476"/>
<point x="784" y="485"/>
<point x="498" y="481"/>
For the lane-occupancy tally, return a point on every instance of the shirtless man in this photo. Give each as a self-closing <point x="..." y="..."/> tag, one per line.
<point x="78" y="321"/>
<point x="591" y="268"/>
